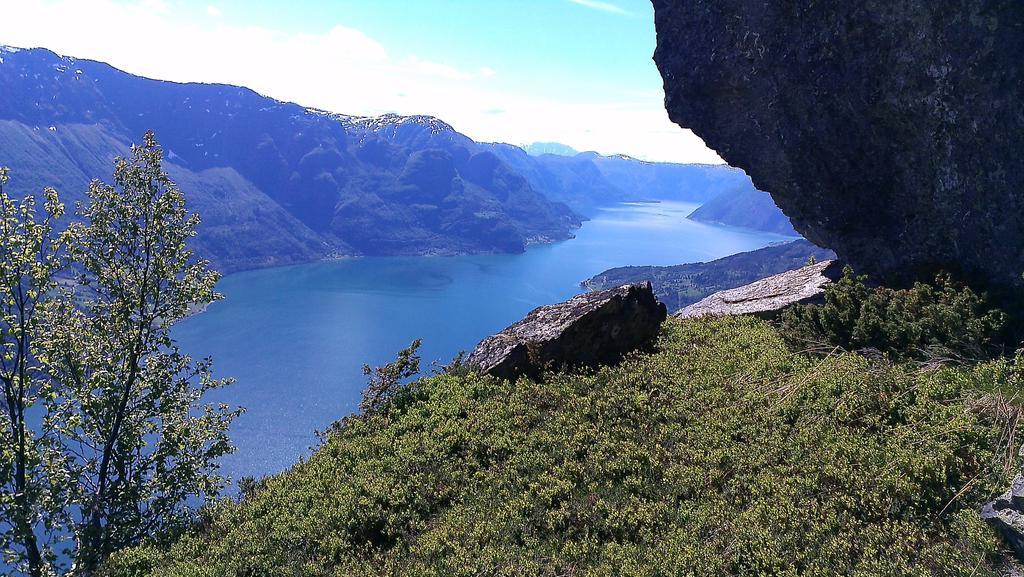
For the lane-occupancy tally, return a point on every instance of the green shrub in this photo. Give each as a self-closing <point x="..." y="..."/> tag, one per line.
<point x="723" y="453"/>
<point x="926" y="322"/>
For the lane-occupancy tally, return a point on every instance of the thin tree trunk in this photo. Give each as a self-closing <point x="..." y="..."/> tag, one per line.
<point x="94" y="537"/>
<point x="16" y="404"/>
<point x="25" y="532"/>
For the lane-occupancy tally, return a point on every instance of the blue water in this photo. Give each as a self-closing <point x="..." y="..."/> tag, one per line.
<point x="295" y="338"/>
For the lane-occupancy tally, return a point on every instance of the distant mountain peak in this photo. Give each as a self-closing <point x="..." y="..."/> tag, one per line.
<point x="627" y="157"/>
<point x="5" y="49"/>
<point x="391" y="120"/>
<point x="556" y="148"/>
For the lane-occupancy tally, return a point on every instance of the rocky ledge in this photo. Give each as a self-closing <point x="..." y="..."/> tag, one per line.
<point x="588" y="330"/>
<point x="684" y="284"/>
<point x="768" y="296"/>
<point x="887" y="131"/>
<point x="1006" y="514"/>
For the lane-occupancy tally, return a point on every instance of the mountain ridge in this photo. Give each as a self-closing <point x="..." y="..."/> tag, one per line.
<point x="333" y="192"/>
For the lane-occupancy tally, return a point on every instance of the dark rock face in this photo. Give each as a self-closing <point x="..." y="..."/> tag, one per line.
<point x="1006" y="514"/>
<point x="768" y="296"/>
<point x="587" y="330"/>
<point x="890" y="132"/>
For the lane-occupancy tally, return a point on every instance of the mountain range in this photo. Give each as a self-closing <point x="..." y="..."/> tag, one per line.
<point x="277" y="183"/>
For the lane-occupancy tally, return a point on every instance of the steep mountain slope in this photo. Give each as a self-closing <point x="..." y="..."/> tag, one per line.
<point x="276" y="182"/>
<point x="746" y="207"/>
<point x="242" y="227"/>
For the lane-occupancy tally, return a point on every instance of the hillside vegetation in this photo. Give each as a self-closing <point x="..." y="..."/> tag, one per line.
<point x="943" y="321"/>
<point x="721" y="453"/>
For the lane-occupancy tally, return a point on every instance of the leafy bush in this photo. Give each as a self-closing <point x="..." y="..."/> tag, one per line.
<point x="925" y="322"/>
<point x="723" y="453"/>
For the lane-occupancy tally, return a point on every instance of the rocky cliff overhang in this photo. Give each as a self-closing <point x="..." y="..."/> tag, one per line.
<point x="890" y="132"/>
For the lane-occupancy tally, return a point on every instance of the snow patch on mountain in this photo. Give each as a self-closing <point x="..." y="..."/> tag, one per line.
<point x="392" y="121"/>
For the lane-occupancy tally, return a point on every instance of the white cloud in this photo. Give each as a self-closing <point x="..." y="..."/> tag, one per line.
<point x="602" y="6"/>
<point x="213" y="11"/>
<point x="158" y="6"/>
<point x="342" y="70"/>
<point x="439" y="70"/>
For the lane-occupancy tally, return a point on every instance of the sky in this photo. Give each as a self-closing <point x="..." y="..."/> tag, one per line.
<point x="577" y="72"/>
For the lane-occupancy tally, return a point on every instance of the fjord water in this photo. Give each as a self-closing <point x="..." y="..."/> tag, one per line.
<point x="295" y="338"/>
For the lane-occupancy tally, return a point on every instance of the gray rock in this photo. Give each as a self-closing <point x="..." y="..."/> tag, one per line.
<point x="1006" y="514"/>
<point x="587" y="330"/>
<point x="768" y="296"/>
<point x="890" y="132"/>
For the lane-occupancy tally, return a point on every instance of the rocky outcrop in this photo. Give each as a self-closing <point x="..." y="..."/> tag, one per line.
<point x="768" y="296"/>
<point x="1006" y="514"/>
<point x="684" y="284"/>
<point x="587" y="330"/>
<point x="888" y="131"/>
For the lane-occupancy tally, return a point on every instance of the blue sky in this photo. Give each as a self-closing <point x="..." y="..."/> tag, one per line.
<point x="538" y="45"/>
<point x="573" y="71"/>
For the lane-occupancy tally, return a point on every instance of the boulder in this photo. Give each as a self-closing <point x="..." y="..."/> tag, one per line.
<point x="587" y="330"/>
<point x="890" y="132"/>
<point x="1006" y="514"/>
<point x="768" y="296"/>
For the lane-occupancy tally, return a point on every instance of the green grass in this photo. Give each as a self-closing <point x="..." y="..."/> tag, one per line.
<point x="722" y="453"/>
